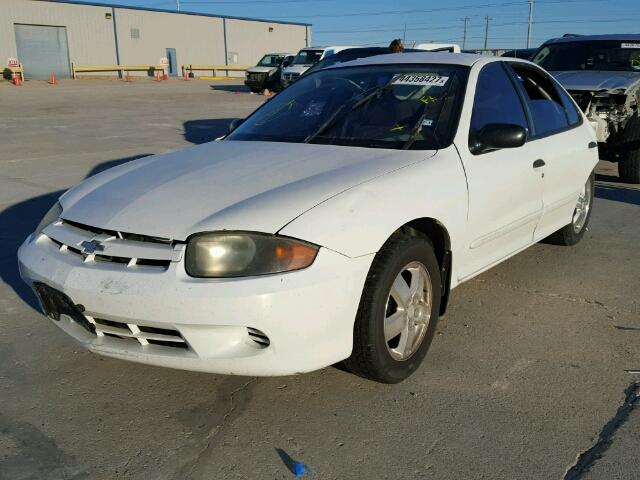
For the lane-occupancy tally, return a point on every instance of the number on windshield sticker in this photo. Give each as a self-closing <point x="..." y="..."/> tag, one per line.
<point x="420" y="79"/>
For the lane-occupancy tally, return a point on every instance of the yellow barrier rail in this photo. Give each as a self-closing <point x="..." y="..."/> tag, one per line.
<point x="19" y="70"/>
<point x="189" y="68"/>
<point x="75" y="69"/>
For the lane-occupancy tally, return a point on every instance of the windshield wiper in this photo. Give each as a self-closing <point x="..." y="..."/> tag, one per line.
<point x="335" y="117"/>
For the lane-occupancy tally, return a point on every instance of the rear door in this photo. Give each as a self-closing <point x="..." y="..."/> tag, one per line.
<point x="505" y="190"/>
<point x="43" y="50"/>
<point x="563" y="147"/>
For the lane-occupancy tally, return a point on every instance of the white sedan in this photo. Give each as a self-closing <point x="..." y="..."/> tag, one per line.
<point x="330" y="225"/>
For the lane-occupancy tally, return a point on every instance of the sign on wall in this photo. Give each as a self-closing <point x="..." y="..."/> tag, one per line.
<point x="12" y="62"/>
<point x="164" y="61"/>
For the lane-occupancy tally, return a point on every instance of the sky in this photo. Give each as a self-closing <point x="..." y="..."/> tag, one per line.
<point x="377" y="22"/>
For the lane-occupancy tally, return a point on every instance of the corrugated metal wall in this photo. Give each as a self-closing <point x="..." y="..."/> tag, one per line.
<point x="143" y="36"/>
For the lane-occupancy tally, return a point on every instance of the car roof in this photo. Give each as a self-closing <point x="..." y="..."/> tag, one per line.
<point x="587" y="38"/>
<point x="446" y="58"/>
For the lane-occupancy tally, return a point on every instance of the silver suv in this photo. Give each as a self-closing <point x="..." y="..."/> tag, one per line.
<point x="602" y="73"/>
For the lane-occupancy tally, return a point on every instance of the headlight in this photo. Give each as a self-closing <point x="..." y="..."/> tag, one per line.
<point x="237" y="254"/>
<point x="51" y="216"/>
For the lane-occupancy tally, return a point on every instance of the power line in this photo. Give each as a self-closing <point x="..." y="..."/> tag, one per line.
<point x="434" y="10"/>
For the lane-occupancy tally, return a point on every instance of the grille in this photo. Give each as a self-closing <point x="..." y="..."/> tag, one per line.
<point x="291" y="76"/>
<point x="141" y="334"/>
<point x="259" y="337"/>
<point x="95" y="245"/>
<point x="257" y="76"/>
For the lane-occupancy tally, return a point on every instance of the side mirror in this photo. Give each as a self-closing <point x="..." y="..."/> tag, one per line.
<point x="496" y="136"/>
<point x="235" y="123"/>
<point x="286" y="63"/>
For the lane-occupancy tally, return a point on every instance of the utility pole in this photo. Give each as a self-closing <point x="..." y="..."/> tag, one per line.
<point x="464" y="37"/>
<point x="178" y="5"/>
<point x="404" y="34"/>
<point x="530" y="23"/>
<point x="486" y="31"/>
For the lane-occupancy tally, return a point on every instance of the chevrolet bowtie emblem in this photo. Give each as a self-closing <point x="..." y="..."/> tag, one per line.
<point x="92" y="246"/>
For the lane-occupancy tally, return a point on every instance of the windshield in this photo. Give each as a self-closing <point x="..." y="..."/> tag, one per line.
<point x="612" y="55"/>
<point x="307" y="57"/>
<point x="390" y="106"/>
<point x="270" y="61"/>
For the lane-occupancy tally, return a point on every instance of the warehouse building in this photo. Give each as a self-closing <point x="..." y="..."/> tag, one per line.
<point x="49" y="35"/>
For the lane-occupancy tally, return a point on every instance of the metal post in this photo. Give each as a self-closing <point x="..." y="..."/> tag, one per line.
<point x="178" y="5"/>
<point x="464" y="37"/>
<point x="486" y="32"/>
<point x="530" y="23"/>
<point x="404" y="34"/>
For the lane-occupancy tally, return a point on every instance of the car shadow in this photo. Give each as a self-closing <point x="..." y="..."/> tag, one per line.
<point x="205" y="130"/>
<point x="618" y="193"/>
<point x="20" y="219"/>
<point x="231" y="88"/>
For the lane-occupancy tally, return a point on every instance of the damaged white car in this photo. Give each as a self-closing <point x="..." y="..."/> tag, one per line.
<point x="602" y="73"/>
<point x="330" y="225"/>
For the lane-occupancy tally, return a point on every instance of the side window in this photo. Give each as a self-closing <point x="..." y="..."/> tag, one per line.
<point x="496" y="100"/>
<point x="547" y="109"/>
<point x="572" y="111"/>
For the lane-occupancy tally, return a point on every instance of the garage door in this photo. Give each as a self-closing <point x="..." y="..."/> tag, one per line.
<point x="43" y="49"/>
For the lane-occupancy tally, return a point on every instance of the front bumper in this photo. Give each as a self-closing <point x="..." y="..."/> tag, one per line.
<point x="307" y="315"/>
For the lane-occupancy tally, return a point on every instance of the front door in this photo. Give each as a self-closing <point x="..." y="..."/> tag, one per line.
<point x="173" y="63"/>
<point x="505" y="187"/>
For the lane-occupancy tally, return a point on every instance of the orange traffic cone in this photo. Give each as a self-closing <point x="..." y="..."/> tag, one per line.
<point x="52" y="79"/>
<point x="157" y="77"/>
<point x="16" y="80"/>
<point x="186" y="76"/>
<point x="165" y="76"/>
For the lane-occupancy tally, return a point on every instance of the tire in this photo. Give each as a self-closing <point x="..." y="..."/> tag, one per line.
<point x="629" y="167"/>
<point x="256" y="90"/>
<point x="402" y="259"/>
<point x="573" y="232"/>
<point x="629" y="162"/>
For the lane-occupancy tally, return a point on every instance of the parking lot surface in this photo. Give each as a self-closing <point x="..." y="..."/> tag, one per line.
<point x="526" y="378"/>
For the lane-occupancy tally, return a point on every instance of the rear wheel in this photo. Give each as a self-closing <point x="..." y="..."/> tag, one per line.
<point x="398" y="311"/>
<point x="573" y="232"/>
<point x="629" y="167"/>
<point x="629" y="163"/>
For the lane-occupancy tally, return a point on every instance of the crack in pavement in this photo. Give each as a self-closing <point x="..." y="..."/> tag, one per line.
<point x="569" y="298"/>
<point x="214" y="431"/>
<point x="586" y="459"/>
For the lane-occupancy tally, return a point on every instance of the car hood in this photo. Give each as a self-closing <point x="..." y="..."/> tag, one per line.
<point x="598" y="81"/>
<point x="228" y="185"/>
<point x="261" y="69"/>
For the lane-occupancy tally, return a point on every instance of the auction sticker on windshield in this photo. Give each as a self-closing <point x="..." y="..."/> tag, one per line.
<point x="420" y="79"/>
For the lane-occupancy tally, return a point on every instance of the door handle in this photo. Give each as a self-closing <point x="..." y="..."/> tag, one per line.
<point x="539" y="163"/>
<point x="593" y="144"/>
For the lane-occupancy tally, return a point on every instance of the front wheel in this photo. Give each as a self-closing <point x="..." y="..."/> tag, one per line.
<point x="573" y="232"/>
<point x="398" y="311"/>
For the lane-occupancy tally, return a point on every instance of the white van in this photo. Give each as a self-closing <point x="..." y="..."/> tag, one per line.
<point x="305" y="59"/>
<point x="438" y="47"/>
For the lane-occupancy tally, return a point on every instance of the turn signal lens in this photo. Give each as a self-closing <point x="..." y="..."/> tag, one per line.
<point x="231" y="254"/>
